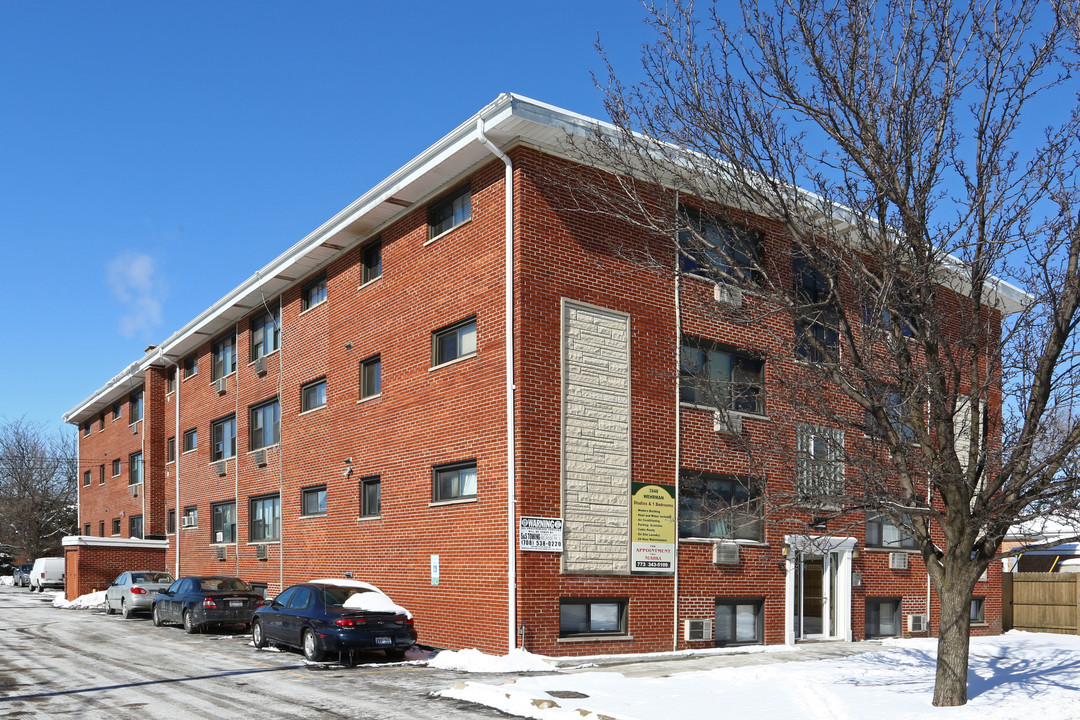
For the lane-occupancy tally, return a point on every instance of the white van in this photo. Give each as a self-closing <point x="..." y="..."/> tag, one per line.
<point x="47" y="573"/>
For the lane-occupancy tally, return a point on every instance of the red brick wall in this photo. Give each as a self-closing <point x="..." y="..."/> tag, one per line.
<point x="91" y="567"/>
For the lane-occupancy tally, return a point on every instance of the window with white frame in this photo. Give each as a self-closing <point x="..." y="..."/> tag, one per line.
<point x="223" y="438"/>
<point x="117" y="467"/>
<point x="449" y="212"/>
<point x="191" y="366"/>
<point x="371" y="377"/>
<point x="264" y="424"/>
<point x="223" y="355"/>
<point x="978" y="610"/>
<point x="136" y="404"/>
<point x="223" y="522"/>
<point x="191" y="439"/>
<point x="265" y="333"/>
<point x="819" y="473"/>
<point x="739" y="621"/>
<point x="313" y="395"/>
<point x="135" y="468"/>
<point x="313" y="293"/>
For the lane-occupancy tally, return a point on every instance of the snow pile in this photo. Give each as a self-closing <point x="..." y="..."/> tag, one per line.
<point x="7" y="579"/>
<point x="475" y="661"/>
<point x="90" y="601"/>
<point x="1016" y="675"/>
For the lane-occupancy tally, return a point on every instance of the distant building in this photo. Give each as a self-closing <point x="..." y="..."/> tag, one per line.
<point x="349" y="410"/>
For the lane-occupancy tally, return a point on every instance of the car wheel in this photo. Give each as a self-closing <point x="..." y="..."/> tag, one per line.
<point x="124" y="610"/>
<point x="257" y="637"/>
<point x="190" y="626"/>
<point x="311" y="647"/>
<point x="108" y="607"/>
<point x="155" y="614"/>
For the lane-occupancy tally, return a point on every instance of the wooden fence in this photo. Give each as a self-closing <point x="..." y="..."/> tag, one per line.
<point x="1041" y="602"/>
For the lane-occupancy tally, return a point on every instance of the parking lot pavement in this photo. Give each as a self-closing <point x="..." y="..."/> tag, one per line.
<point x="87" y="665"/>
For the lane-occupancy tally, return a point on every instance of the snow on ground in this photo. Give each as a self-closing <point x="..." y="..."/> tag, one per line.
<point x="7" y="579"/>
<point x="477" y="662"/>
<point x="90" y="601"/>
<point x="1013" y="676"/>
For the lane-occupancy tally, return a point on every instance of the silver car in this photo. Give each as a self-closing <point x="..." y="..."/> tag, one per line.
<point x="134" y="591"/>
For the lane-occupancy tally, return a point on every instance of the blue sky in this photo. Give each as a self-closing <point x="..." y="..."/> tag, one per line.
<point x="154" y="155"/>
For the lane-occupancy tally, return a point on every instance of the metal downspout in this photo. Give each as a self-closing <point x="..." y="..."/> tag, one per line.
<point x="511" y="489"/>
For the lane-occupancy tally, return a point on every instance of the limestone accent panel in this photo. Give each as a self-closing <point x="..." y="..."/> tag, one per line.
<point x="595" y="439"/>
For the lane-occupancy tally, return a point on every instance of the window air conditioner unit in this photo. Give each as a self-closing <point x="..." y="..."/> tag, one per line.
<point x="187" y="521"/>
<point x="260" y="457"/>
<point x="725" y="554"/>
<point x="916" y="623"/>
<point x="898" y="561"/>
<point x="222" y="384"/>
<point x="260" y="552"/>
<point x="135" y="428"/>
<point x="221" y="553"/>
<point x="727" y="422"/>
<point x="134" y="490"/>
<point x="260" y="365"/>
<point x="697" y="630"/>
<point x="220" y="467"/>
<point x="727" y="295"/>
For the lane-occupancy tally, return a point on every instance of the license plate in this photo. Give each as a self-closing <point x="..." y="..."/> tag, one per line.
<point x="382" y="641"/>
<point x="236" y="603"/>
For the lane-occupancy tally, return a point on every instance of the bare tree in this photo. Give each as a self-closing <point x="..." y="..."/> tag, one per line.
<point x="38" y="474"/>
<point x="914" y="254"/>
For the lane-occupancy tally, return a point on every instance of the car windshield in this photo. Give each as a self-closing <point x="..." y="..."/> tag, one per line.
<point x="223" y="584"/>
<point x="336" y="596"/>
<point x="151" y="577"/>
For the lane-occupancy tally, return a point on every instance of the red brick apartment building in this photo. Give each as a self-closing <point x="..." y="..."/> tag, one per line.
<point x="450" y="369"/>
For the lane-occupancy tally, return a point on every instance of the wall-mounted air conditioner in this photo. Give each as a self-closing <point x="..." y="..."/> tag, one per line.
<point x="187" y="521"/>
<point x="260" y="365"/>
<point x="727" y="294"/>
<point x="222" y="385"/>
<point x="220" y="467"/>
<point x="134" y="490"/>
<point x="260" y="457"/>
<point x="725" y="554"/>
<point x="260" y="552"/>
<point x="916" y="623"/>
<point x="697" y="630"/>
<point x="221" y="553"/>
<point x="134" y="428"/>
<point x="727" y="422"/>
<point x="898" y="561"/>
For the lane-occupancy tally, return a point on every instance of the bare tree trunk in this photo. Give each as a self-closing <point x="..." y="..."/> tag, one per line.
<point x="950" y="687"/>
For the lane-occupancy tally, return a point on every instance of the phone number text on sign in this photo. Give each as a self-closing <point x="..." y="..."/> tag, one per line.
<point x="540" y="534"/>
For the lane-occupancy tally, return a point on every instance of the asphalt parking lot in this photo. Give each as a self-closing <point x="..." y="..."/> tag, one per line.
<point x="84" y="664"/>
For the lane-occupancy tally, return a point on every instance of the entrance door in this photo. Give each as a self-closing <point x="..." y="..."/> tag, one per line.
<point x="818" y="588"/>
<point x="813" y="597"/>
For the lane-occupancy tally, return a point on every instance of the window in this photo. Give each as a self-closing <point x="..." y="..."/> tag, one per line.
<point x="265" y="334"/>
<point x="739" y="621"/>
<point x="101" y="422"/>
<point x="314" y="293"/>
<point x="223" y="353"/>
<point x="370" y="496"/>
<point x="116" y="526"/>
<point x="313" y="395"/>
<point x="116" y="410"/>
<point x="223" y="516"/>
<point x="883" y="617"/>
<point x="135" y="468"/>
<point x="881" y="532"/>
<point x="116" y="467"/>
<point x="264" y="425"/>
<point x="86" y="478"/>
<point x="372" y="261"/>
<point x="170" y="384"/>
<point x="135" y="526"/>
<point x="818" y="318"/>
<point x="170" y="521"/>
<point x="265" y="519"/>
<point x="86" y="429"/>
<point x="722" y="379"/>
<point x="191" y="366"/>
<point x="819" y="471"/>
<point x="898" y="412"/>
<point x="136" y="403"/>
<point x="370" y="377"/>
<point x="192" y="513"/>
<point x="455" y="481"/>
<point x="720" y="250"/>
<point x="313" y="501"/>
<point x="978" y="615"/>
<point x="719" y="506"/>
<point x="908" y="321"/>
<point x="223" y="438"/>
<point x="86" y="529"/>
<point x="101" y="474"/>
<point x="451" y="211"/>
<point x="170" y="450"/>
<point x="589" y="616"/>
<point x="191" y="439"/>
<point x="453" y="342"/>
<point x="101" y="528"/>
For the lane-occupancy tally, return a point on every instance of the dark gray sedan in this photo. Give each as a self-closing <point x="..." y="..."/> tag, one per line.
<point x="198" y="601"/>
<point x="134" y="591"/>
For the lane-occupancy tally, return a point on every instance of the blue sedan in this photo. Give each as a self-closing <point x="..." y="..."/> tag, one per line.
<point x="334" y="616"/>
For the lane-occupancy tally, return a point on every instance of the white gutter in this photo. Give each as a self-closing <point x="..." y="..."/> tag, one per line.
<point x="511" y="490"/>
